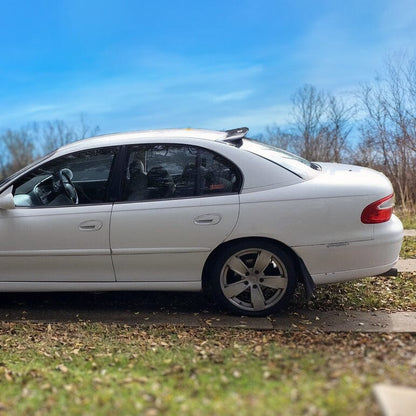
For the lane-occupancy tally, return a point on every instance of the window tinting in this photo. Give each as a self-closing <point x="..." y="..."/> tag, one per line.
<point x="76" y="178"/>
<point x="178" y="171"/>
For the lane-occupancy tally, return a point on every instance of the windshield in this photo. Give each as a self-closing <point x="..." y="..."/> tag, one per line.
<point x="294" y="163"/>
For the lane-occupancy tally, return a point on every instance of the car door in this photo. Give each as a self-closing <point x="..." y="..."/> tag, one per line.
<point x="179" y="202"/>
<point x="59" y="228"/>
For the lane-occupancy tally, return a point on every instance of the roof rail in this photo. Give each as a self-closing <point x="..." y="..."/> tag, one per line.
<point x="236" y="134"/>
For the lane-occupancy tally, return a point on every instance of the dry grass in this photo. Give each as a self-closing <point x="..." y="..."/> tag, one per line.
<point x="107" y="369"/>
<point x="407" y="216"/>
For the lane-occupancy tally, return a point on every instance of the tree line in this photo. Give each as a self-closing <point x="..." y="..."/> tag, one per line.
<point x="381" y="117"/>
<point x="19" y="147"/>
<point x="374" y="127"/>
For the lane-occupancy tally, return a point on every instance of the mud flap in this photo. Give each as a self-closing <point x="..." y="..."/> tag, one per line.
<point x="306" y="280"/>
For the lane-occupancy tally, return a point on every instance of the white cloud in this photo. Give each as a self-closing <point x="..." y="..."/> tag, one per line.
<point x="231" y="96"/>
<point x="140" y="101"/>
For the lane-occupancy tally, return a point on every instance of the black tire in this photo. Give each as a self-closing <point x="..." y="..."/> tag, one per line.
<point x="253" y="278"/>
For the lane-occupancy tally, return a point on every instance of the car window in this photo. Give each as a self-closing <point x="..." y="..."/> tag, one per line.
<point x="177" y="171"/>
<point x="76" y="178"/>
<point x="296" y="164"/>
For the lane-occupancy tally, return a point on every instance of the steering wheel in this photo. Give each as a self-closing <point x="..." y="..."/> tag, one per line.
<point x="65" y="176"/>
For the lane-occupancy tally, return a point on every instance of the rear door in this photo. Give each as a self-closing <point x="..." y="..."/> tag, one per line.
<point x="179" y="202"/>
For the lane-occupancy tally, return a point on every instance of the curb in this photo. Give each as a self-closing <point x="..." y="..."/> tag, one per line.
<point x="325" y="321"/>
<point x="395" y="400"/>
<point x="406" y="265"/>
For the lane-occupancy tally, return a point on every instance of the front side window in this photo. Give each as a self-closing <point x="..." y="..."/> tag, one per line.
<point x="177" y="171"/>
<point x="76" y="178"/>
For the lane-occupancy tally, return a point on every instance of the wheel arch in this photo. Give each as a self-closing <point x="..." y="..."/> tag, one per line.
<point x="302" y="273"/>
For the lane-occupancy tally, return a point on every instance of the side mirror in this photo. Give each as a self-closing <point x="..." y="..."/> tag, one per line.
<point x="6" y="199"/>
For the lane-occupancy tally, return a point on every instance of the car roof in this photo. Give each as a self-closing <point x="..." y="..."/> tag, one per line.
<point x="115" y="139"/>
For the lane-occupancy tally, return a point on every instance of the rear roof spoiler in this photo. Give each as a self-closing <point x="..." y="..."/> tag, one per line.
<point x="235" y="134"/>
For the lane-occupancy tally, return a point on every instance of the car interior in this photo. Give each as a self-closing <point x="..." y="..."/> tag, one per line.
<point x="153" y="172"/>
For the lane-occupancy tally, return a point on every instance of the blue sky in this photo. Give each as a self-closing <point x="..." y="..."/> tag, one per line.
<point x="218" y="64"/>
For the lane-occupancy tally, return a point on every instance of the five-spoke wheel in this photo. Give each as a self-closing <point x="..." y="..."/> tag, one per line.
<point x="253" y="277"/>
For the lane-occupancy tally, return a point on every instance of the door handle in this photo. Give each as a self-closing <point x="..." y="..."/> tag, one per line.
<point x="91" y="225"/>
<point x="208" y="219"/>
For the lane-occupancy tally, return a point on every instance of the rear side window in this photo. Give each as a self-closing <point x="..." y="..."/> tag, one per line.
<point x="177" y="171"/>
<point x="295" y="164"/>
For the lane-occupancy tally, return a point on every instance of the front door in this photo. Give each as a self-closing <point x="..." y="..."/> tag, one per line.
<point x="59" y="229"/>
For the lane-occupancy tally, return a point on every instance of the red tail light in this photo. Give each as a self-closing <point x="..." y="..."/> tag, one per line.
<point x="379" y="211"/>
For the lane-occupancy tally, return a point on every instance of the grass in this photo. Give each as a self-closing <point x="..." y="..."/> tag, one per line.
<point x="105" y="369"/>
<point x="409" y="221"/>
<point x="98" y="369"/>
<point x="372" y="293"/>
<point x="408" y="250"/>
<point x="407" y="216"/>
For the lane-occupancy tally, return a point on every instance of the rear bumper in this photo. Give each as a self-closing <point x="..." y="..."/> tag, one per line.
<point x="333" y="263"/>
<point x="344" y="276"/>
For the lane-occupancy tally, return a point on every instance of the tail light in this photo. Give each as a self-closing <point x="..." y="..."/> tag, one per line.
<point x="379" y="211"/>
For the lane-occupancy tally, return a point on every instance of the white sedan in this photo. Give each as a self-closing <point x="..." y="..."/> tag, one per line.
<point x="190" y="209"/>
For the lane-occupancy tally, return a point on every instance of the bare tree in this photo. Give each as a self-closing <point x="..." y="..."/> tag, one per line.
<point x="389" y="127"/>
<point x="283" y="139"/>
<point x="309" y="107"/>
<point x="22" y="146"/>
<point x="18" y="150"/>
<point x="320" y="127"/>
<point x="58" y="133"/>
<point x="339" y="126"/>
